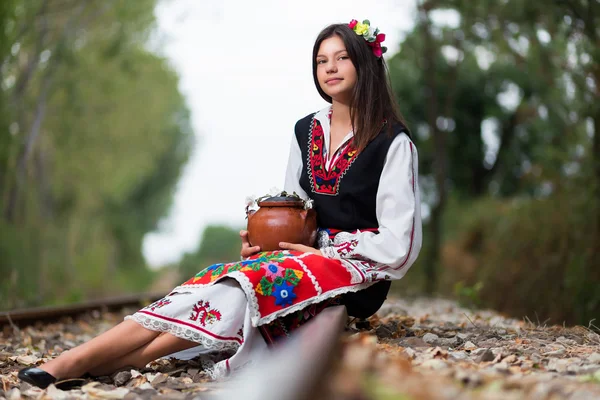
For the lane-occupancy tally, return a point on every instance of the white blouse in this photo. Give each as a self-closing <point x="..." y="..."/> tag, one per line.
<point x="396" y="246"/>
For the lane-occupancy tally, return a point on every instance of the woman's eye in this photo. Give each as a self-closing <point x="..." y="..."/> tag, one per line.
<point x="320" y="61"/>
<point x="343" y="58"/>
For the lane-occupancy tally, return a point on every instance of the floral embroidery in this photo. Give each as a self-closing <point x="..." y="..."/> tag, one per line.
<point x="277" y="280"/>
<point x="217" y="270"/>
<point x="159" y="304"/>
<point x="205" y="313"/>
<point x="284" y="294"/>
<point x="322" y="180"/>
<point x="272" y="270"/>
<point x="290" y="278"/>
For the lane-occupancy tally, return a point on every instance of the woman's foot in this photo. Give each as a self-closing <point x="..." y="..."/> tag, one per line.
<point x="36" y="377"/>
<point x="40" y="378"/>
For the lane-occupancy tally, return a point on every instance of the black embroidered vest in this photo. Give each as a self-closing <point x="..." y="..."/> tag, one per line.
<point x="345" y="196"/>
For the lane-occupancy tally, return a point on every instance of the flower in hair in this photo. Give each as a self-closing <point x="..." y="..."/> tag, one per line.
<point x="372" y="36"/>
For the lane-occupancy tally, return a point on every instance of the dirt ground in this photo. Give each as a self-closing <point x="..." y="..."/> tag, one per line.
<point x="412" y="349"/>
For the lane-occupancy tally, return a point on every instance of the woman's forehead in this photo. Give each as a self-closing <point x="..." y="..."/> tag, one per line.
<point x="331" y="45"/>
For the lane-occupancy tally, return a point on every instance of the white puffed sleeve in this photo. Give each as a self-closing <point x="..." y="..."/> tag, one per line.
<point x="398" y="208"/>
<point x="293" y="171"/>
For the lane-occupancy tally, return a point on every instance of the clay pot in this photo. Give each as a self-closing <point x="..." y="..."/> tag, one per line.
<point x="281" y="219"/>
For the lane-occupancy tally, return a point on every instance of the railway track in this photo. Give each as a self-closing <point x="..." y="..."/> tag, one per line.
<point x="45" y="314"/>
<point x="301" y="364"/>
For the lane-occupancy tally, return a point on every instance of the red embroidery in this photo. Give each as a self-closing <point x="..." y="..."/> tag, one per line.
<point x="346" y="249"/>
<point x="203" y="311"/>
<point x="159" y="304"/>
<point x="323" y="181"/>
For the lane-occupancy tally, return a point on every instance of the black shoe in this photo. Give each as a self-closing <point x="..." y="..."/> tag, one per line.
<point x="36" y="377"/>
<point x="69" y="384"/>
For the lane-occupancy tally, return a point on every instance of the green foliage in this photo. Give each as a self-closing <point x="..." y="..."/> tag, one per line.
<point x="519" y="224"/>
<point x="468" y="296"/>
<point x="99" y="134"/>
<point x="219" y="244"/>
<point x="527" y="256"/>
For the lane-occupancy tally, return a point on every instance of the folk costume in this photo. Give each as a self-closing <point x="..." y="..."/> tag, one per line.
<point x="368" y="211"/>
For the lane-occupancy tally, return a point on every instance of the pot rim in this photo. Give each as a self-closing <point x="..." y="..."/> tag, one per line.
<point x="281" y="201"/>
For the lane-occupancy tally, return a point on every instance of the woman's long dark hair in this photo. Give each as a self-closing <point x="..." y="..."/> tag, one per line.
<point x="371" y="101"/>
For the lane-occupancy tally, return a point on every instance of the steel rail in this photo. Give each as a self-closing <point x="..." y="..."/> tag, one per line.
<point x="27" y="316"/>
<point x="296" y="370"/>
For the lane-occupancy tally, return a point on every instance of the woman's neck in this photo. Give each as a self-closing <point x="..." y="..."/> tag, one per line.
<point x="341" y="113"/>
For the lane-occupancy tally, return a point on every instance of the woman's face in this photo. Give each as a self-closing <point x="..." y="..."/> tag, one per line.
<point x="335" y="72"/>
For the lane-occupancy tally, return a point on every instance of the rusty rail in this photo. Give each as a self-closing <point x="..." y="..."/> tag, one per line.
<point x="30" y="315"/>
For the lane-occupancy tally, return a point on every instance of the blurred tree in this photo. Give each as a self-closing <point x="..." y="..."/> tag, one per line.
<point x="218" y="244"/>
<point x="96" y="135"/>
<point x="507" y="91"/>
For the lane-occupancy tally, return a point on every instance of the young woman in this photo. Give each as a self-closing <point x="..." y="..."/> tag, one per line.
<point x="356" y="161"/>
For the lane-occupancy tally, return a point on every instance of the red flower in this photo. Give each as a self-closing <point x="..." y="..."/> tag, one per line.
<point x="352" y="23"/>
<point x="376" y="45"/>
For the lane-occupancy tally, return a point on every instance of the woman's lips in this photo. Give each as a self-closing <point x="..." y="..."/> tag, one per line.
<point x="333" y="81"/>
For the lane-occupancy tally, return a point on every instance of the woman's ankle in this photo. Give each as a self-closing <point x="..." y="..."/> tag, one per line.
<point x="67" y="365"/>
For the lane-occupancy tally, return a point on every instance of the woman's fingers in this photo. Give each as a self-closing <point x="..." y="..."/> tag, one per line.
<point x="299" y="247"/>
<point x="247" y="250"/>
<point x="293" y="246"/>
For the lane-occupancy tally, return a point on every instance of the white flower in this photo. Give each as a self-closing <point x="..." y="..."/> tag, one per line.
<point x="250" y="200"/>
<point x="371" y="32"/>
<point x="308" y="204"/>
<point x="274" y="191"/>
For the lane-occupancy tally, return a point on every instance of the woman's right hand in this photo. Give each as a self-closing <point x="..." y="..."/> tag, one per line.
<point x="247" y="250"/>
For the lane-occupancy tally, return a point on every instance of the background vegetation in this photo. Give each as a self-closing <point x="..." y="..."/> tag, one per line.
<point x="503" y="99"/>
<point x="93" y="136"/>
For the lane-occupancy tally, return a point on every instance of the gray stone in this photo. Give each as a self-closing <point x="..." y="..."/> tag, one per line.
<point x="594" y="358"/>
<point x="449" y="342"/>
<point x="555" y="353"/>
<point x="487" y="355"/>
<point x="414" y="342"/>
<point x="389" y="308"/>
<point x="384" y="331"/>
<point x="122" y="378"/>
<point x="459" y="355"/>
<point x="558" y="365"/>
<point x="469" y="346"/>
<point x="430" y="338"/>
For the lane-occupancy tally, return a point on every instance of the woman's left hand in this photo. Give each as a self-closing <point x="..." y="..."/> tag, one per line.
<point x="299" y="247"/>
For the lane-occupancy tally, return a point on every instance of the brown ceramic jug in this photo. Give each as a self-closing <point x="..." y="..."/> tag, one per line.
<point x="281" y="219"/>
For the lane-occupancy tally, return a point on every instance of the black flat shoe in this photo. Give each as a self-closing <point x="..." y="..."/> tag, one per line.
<point x="69" y="384"/>
<point x="36" y="377"/>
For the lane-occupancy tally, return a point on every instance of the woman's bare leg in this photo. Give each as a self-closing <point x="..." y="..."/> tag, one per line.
<point x="160" y="346"/>
<point x="112" y="344"/>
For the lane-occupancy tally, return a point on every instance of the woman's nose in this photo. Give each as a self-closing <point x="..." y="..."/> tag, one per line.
<point x="331" y="67"/>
